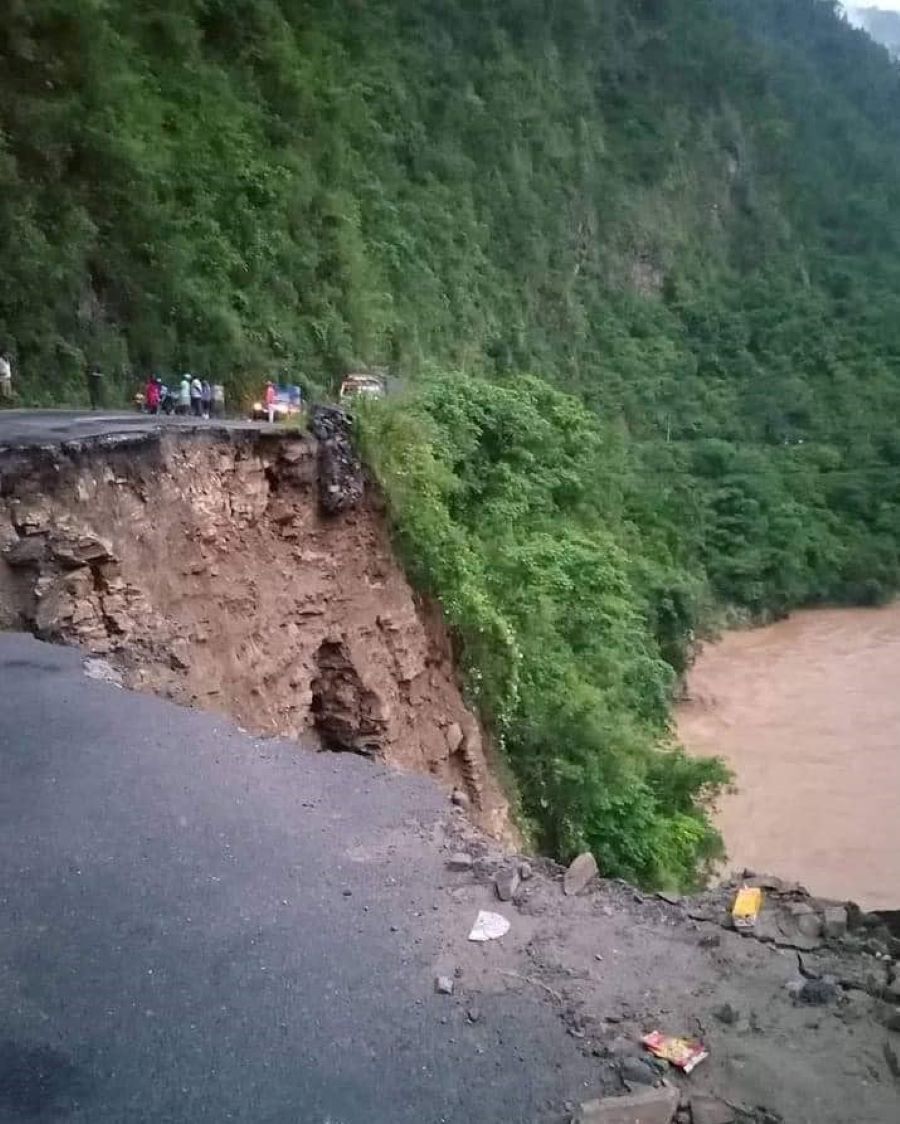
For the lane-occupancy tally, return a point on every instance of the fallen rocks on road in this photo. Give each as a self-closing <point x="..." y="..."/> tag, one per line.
<point x="580" y="872"/>
<point x="506" y="882"/>
<point x="443" y="985"/>
<point x="103" y="671"/>
<point x="460" y="861"/>
<point x="649" y="1106"/>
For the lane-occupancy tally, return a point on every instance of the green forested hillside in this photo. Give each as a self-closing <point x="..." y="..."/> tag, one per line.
<point x="637" y="261"/>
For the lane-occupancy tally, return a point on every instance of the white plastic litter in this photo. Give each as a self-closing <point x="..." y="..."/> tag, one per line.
<point x="488" y="926"/>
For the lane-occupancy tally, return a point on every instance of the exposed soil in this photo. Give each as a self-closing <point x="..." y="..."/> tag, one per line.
<point x="206" y="569"/>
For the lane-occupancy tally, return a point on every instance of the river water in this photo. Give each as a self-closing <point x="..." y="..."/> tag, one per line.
<point x="807" y="714"/>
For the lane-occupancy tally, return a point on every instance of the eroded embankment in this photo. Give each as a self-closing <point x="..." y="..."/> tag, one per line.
<point x="229" y="571"/>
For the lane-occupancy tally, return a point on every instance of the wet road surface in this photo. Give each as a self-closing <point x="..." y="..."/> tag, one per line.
<point x="200" y="926"/>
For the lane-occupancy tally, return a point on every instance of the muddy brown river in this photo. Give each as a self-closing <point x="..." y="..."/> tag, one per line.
<point x="807" y="714"/>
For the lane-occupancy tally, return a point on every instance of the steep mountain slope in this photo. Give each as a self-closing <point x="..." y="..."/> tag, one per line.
<point x="682" y="215"/>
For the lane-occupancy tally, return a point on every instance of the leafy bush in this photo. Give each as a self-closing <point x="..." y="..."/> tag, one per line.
<point x="508" y="503"/>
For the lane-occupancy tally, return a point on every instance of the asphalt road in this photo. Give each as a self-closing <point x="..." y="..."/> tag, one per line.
<point x="23" y="428"/>
<point x="197" y="925"/>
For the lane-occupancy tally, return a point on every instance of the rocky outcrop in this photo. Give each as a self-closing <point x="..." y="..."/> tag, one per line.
<point x="340" y="469"/>
<point x="347" y="714"/>
<point x="224" y="571"/>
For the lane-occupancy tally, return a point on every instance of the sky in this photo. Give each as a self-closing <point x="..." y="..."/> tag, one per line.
<point x="885" y="5"/>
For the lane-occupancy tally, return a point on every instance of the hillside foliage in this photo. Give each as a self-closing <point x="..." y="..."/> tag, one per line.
<point x="637" y="263"/>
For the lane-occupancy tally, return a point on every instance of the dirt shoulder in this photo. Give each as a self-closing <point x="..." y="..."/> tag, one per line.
<point x="800" y="1029"/>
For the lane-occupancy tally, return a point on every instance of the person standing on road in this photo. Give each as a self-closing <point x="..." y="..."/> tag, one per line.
<point x="5" y="376"/>
<point x="206" y="398"/>
<point x="270" y="401"/>
<point x="95" y="386"/>
<point x="184" y="395"/>
<point x="151" y="395"/>
<point x="196" y="397"/>
<point x="218" y="400"/>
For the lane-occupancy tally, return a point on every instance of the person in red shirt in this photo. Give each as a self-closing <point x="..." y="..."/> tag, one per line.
<point x="270" y="401"/>
<point x="151" y="396"/>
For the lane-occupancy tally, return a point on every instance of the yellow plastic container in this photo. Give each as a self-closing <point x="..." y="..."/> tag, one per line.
<point x="746" y="907"/>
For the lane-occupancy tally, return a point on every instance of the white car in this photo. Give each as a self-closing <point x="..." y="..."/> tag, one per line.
<point x="362" y="386"/>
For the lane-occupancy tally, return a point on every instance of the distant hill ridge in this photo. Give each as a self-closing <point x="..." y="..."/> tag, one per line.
<point x="883" y="26"/>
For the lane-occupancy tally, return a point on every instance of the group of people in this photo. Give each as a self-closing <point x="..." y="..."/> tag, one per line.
<point x="191" y="396"/>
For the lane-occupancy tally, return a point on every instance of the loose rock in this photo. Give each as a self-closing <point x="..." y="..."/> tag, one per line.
<point x="506" y="883"/>
<point x="443" y="985"/>
<point x="460" y="861"/>
<point x="459" y="798"/>
<point x="579" y="874"/>
<point x="808" y="922"/>
<point x="637" y="1071"/>
<point x="649" y="1106"/>
<point x="26" y="552"/>
<point x="835" y="922"/>
<point x="525" y="871"/>
<point x="105" y="672"/>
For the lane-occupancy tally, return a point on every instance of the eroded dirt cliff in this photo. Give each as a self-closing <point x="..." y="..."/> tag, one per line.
<point x="222" y="571"/>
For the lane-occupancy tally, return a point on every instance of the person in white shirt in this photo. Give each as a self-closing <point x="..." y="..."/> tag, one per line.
<point x="196" y="397"/>
<point x="5" y="376"/>
<point x="184" y="395"/>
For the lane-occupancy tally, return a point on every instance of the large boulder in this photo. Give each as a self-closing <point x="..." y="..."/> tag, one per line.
<point x="580" y="872"/>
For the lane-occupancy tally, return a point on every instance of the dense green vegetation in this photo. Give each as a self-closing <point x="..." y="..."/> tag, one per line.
<point x="511" y="503"/>
<point x="637" y="262"/>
